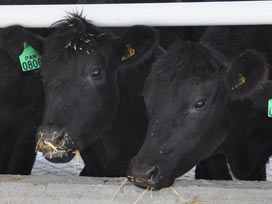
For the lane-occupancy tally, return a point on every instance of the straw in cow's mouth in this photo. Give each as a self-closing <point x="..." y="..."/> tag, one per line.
<point x="131" y="178"/>
<point x="46" y="146"/>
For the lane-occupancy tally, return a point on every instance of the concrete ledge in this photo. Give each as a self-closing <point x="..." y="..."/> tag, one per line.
<point x="71" y="190"/>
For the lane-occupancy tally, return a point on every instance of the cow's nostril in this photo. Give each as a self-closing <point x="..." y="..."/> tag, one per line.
<point x="152" y="172"/>
<point x="58" y="135"/>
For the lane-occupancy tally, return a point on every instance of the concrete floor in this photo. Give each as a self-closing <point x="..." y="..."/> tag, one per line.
<point x="83" y="190"/>
<point x="59" y="184"/>
<point x="44" y="167"/>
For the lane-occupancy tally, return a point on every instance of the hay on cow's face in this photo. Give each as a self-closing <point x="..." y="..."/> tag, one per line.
<point x="46" y="146"/>
<point x="38" y="143"/>
<point x="49" y="146"/>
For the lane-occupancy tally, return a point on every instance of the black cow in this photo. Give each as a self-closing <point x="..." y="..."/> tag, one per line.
<point x="93" y="95"/>
<point x="21" y="102"/>
<point x="251" y="151"/>
<point x="198" y="100"/>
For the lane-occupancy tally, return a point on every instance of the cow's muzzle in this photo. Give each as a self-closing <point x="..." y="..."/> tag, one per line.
<point x="147" y="176"/>
<point x="55" y="144"/>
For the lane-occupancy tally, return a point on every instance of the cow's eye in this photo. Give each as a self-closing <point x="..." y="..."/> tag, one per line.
<point x="200" y="105"/>
<point x="96" y="73"/>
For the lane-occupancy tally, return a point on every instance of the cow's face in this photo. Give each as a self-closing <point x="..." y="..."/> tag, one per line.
<point x="187" y="95"/>
<point x="81" y="95"/>
<point x="81" y="89"/>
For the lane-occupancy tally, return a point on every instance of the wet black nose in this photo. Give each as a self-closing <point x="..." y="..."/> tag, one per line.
<point x="151" y="172"/>
<point x="51" y="133"/>
<point x="55" y="144"/>
<point x="143" y="176"/>
<point x="58" y="134"/>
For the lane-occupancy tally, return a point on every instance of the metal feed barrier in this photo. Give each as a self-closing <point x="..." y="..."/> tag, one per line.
<point x="153" y="14"/>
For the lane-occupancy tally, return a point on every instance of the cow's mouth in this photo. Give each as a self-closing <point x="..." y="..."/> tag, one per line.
<point x="152" y="183"/>
<point x="148" y="176"/>
<point x="56" y="150"/>
<point x="142" y="183"/>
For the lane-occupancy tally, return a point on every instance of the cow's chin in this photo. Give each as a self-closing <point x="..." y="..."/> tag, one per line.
<point x="153" y="184"/>
<point x="59" y="157"/>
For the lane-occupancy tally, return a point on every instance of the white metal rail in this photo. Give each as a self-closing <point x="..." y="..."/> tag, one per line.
<point x="155" y="14"/>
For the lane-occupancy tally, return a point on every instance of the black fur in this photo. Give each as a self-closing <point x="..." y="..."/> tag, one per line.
<point x="21" y="102"/>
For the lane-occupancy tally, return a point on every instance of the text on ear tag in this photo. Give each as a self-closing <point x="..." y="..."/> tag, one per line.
<point x="30" y="58"/>
<point x="269" y="111"/>
<point x="131" y="52"/>
<point x="240" y="82"/>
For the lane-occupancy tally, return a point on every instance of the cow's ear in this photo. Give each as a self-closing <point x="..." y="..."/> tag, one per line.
<point x="13" y="38"/>
<point x="137" y="45"/>
<point x="246" y="75"/>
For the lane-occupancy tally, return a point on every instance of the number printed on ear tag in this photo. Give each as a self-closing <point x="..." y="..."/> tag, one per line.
<point x="270" y="108"/>
<point x="30" y="58"/>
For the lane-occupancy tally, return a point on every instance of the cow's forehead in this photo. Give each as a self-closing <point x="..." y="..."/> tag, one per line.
<point x="187" y="60"/>
<point x="184" y="88"/>
<point x="73" y="65"/>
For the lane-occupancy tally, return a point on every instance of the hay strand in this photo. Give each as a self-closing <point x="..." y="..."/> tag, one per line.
<point x="141" y="196"/>
<point x="17" y="178"/>
<point x="179" y="196"/>
<point x="50" y="145"/>
<point x="38" y="147"/>
<point x="195" y="201"/>
<point x="118" y="190"/>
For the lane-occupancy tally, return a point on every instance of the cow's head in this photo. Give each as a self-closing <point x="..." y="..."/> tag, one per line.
<point x="187" y="95"/>
<point x="79" y="70"/>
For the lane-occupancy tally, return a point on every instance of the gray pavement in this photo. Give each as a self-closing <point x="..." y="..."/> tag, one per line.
<point x="59" y="184"/>
<point x="83" y="190"/>
<point x="44" y="167"/>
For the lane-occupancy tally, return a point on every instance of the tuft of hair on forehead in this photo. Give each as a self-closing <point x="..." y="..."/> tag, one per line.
<point x="72" y="35"/>
<point x="185" y="59"/>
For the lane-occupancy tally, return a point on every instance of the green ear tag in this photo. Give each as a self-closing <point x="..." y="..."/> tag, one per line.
<point x="30" y="58"/>
<point x="270" y="108"/>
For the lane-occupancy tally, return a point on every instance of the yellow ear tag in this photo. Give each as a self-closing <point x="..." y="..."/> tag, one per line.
<point x="240" y="82"/>
<point x="131" y="52"/>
